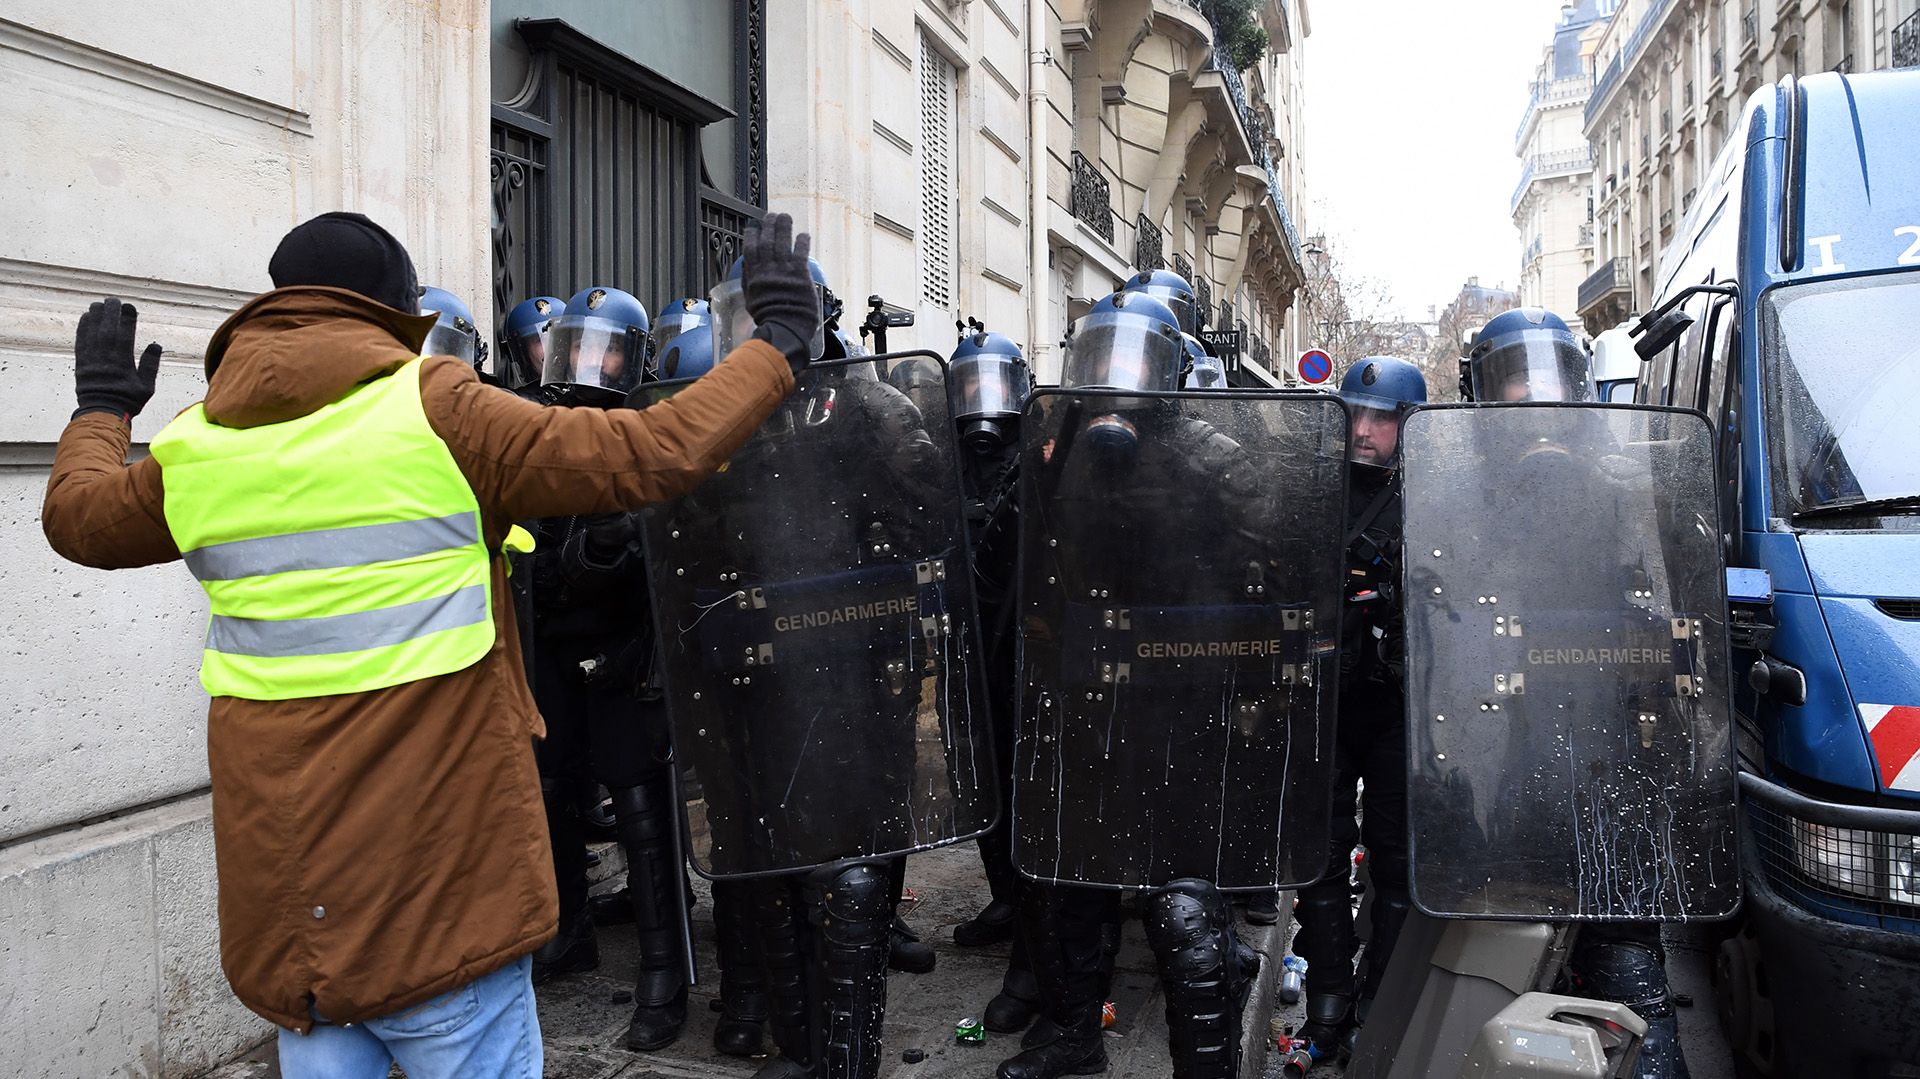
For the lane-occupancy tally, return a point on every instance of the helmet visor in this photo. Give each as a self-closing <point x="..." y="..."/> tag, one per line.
<point x="1123" y="351"/>
<point x="986" y="386"/>
<point x="1534" y="366"/>
<point x="671" y="324"/>
<point x="448" y="339"/>
<point x="522" y="358"/>
<point x="585" y="350"/>
<point x="1185" y="307"/>
<point x="732" y="324"/>
<point x="1208" y="374"/>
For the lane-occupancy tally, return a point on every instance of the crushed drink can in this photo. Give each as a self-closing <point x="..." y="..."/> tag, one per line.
<point x="1107" y="1016"/>
<point x="969" y="1030"/>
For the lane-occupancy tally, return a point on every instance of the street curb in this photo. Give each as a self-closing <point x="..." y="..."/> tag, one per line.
<point x="1256" y="1037"/>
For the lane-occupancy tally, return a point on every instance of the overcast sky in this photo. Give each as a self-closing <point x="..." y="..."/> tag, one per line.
<point x="1411" y="110"/>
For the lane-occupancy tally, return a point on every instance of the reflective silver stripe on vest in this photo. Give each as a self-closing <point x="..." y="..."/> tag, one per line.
<point x="331" y="548"/>
<point x="357" y="632"/>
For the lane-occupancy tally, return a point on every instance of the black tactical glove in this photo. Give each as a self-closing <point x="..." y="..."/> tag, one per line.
<point x="608" y="536"/>
<point x="778" y="289"/>
<point x="105" y="376"/>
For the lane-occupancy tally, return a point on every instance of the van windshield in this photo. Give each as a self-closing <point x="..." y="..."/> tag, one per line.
<point x="1842" y="363"/>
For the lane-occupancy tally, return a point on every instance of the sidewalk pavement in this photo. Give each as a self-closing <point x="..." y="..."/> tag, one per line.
<point x="584" y="1027"/>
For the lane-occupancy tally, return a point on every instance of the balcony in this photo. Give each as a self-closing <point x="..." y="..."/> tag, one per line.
<point x="1090" y="198"/>
<point x="1546" y="166"/>
<point x="1656" y="14"/>
<point x="1905" y="40"/>
<point x="1530" y="256"/>
<point x="1148" y="243"/>
<point x="1221" y="64"/>
<point x="1586" y="236"/>
<point x="1286" y="222"/>
<point x="1547" y="95"/>
<point x="1610" y="279"/>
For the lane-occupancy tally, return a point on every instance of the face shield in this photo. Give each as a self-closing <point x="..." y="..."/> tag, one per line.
<point x="673" y="322"/>
<point x="1537" y="365"/>
<point x="732" y="324"/>
<point x="1184" y="306"/>
<point x="452" y="336"/>
<point x="1123" y="351"/>
<point x="593" y="352"/>
<point x="1208" y="373"/>
<point x="1375" y="438"/>
<point x="523" y="358"/>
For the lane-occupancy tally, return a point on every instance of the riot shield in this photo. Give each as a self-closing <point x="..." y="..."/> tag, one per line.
<point x="818" y="633"/>
<point x="1180" y="560"/>
<point x="1569" y="754"/>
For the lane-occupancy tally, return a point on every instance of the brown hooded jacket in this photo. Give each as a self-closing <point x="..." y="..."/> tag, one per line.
<point x="377" y="849"/>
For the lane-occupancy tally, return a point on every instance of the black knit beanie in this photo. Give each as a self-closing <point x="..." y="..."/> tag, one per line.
<point x="347" y="250"/>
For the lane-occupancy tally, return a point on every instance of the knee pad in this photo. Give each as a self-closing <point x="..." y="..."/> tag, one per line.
<point x="853" y="901"/>
<point x="1185" y="925"/>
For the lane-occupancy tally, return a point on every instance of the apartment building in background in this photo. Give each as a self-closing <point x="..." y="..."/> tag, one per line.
<point x="1673" y="77"/>
<point x="1552" y="204"/>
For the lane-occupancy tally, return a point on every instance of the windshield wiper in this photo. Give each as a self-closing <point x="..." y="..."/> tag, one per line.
<point x="1893" y="504"/>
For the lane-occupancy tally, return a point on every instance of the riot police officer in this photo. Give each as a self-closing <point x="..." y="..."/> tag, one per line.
<point x="1118" y="479"/>
<point x="453" y="333"/>
<point x="1372" y="742"/>
<point x="777" y="793"/>
<point x="594" y="682"/>
<point x="692" y="357"/>
<point x="1174" y="291"/>
<point x="1530" y="354"/>
<point x="523" y="346"/>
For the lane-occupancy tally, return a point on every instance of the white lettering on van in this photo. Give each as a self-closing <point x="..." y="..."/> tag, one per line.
<point x="1912" y="255"/>
<point x="1825" y="244"/>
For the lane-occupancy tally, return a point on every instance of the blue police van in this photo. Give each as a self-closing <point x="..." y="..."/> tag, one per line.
<point x="1788" y="310"/>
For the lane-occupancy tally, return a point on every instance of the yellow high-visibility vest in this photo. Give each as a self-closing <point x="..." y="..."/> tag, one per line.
<point x="341" y="551"/>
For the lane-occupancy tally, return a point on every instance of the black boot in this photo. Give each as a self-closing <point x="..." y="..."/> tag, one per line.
<point x="573" y="948"/>
<point x="851" y="905"/>
<point x="780" y="925"/>
<point x="1390" y="907"/>
<point x="990" y="926"/>
<point x="1189" y="925"/>
<point x="1626" y="963"/>
<point x="905" y="953"/>
<point x="654" y="878"/>
<point x="1329" y="1019"/>
<point x="1063" y="930"/>
<point x="1013" y="1008"/>
<point x="743" y="979"/>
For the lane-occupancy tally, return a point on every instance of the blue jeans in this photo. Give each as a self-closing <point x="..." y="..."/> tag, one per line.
<point x="486" y="1029"/>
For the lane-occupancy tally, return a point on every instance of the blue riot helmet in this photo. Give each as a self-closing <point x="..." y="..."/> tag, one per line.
<point x="1204" y="370"/>
<point x="689" y="354"/>
<point x="733" y="324"/>
<point x="1378" y="390"/>
<point x="678" y="318"/>
<point x="1129" y="341"/>
<point x="987" y="386"/>
<point x="523" y="346"/>
<point x="1170" y="289"/>
<point x="1529" y="354"/>
<point x="453" y="333"/>
<point x="599" y="344"/>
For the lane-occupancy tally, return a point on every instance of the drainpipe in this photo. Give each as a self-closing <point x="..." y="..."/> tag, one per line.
<point x="1039" y="286"/>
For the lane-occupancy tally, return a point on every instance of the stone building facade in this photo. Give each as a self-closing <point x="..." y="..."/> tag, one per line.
<point x="1552" y="205"/>
<point x="945" y="153"/>
<point x="1673" y="77"/>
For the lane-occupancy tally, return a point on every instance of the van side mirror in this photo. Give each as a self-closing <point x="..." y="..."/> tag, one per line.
<point x="1661" y="336"/>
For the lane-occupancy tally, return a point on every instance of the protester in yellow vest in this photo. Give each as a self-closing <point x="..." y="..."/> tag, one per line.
<point x="379" y="833"/>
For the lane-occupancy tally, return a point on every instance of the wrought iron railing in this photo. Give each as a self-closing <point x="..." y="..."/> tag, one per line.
<point x="1147" y="245"/>
<point x="1531" y="253"/>
<point x="1666" y="122"/>
<point x="1286" y="218"/>
<point x="1646" y="236"/>
<point x="1845" y="66"/>
<point x="1641" y="30"/>
<point x="1609" y="277"/>
<point x="1749" y="26"/>
<point x="1091" y="198"/>
<point x="1586" y="236"/>
<point x="1714" y="64"/>
<point x="1666" y="220"/>
<point x="1557" y="163"/>
<point x="723" y="220"/>
<point x="1905" y="39"/>
<point x="1203" y="297"/>
<point x="1184" y="268"/>
<point x="1686" y="200"/>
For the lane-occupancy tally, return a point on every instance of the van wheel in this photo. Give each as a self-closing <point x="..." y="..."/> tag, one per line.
<point x="1744" y="1003"/>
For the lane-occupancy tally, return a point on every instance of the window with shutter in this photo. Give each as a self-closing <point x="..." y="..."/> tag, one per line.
<point x="939" y="176"/>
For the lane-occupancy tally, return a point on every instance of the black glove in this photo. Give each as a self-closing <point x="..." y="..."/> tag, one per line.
<point x="105" y="376"/>
<point x="608" y="536"/>
<point x="778" y="288"/>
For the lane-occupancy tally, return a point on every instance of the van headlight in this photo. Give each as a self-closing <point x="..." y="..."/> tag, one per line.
<point x="1873" y="865"/>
